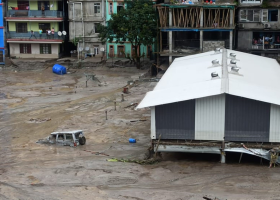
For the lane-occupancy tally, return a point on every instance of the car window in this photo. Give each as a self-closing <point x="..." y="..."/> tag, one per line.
<point x="60" y="137"/>
<point x="69" y="137"/>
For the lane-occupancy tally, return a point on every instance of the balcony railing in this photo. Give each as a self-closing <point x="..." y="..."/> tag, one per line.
<point x="275" y="46"/>
<point x="14" y="35"/>
<point x="35" y="13"/>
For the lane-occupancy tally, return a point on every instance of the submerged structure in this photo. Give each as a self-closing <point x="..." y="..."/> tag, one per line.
<point x="216" y="102"/>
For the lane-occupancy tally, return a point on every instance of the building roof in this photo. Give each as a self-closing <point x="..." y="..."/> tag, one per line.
<point x="189" y="77"/>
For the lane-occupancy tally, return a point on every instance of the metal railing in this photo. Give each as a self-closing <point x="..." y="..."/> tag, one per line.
<point x="35" y="13"/>
<point x="14" y="35"/>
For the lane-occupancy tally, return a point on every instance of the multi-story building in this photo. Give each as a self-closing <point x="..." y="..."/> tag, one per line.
<point x="2" y="40"/>
<point x="125" y="49"/>
<point x="26" y="19"/>
<point x="84" y="18"/>
<point x="190" y="27"/>
<point x="259" y="27"/>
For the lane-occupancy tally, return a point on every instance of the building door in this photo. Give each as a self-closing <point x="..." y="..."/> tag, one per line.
<point x="121" y="51"/>
<point x="111" y="51"/>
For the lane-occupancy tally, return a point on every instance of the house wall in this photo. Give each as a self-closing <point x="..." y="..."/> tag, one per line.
<point x="127" y="46"/>
<point x="259" y="24"/>
<point x="33" y="5"/>
<point x="176" y="120"/>
<point x="32" y="25"/>
<point x="82" y="23"/>
<point x="35" y="51"/>
<point x="210" y="118"/>
<point x="246" y="120"/>
<point x="2" y="38"/>
<point x="210" y="45"/>
<point x="220" y="117"/>
<point x="245" y="39"/>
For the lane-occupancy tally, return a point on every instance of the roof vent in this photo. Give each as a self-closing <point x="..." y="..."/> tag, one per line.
<point x="214" y="74"/>
<point x="232" y="55"/>
<point x="217" y="50"/>
<point x="215" y="62"/>
<point x="235" y="69"/>
<point x="233" y="62"/>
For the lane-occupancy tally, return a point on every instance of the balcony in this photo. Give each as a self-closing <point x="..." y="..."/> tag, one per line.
<point x="35" y="13"/>
<point x="25" y="38"/>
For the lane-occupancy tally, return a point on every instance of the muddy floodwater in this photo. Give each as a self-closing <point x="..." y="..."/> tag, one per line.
<point x="35" y="103"/>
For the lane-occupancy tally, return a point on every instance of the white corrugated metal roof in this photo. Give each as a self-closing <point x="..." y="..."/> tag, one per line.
<point x="190" y="78"/>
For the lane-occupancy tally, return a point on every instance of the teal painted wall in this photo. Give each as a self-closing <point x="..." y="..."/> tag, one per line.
<point x="127" y="48"/>
<point x="127" y="45"/>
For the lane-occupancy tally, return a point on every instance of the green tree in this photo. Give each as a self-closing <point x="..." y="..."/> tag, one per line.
<point x="135" y="24"/>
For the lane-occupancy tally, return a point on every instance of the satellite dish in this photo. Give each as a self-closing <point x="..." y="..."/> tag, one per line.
<point x="64" y="32"/>
<point x="81" y="48"/>
<point x="87" y="49"/>
<point x="59" y="33"/>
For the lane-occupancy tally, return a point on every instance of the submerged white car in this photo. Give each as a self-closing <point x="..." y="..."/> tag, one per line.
<point x="66" y="138"/>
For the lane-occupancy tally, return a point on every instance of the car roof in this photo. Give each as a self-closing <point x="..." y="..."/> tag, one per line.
<point x="65" y="132"/>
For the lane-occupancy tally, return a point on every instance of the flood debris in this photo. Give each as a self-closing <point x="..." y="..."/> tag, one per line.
<point x="65" y="138"/>
<point x="38" y="120"/>
<point x="97" y="153"/>
<point x="209" y="198"/>
<point x="132" y="105"/>
<point x="140" y="162"/>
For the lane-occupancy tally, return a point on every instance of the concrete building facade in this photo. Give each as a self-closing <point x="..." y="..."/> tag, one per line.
<point x="259" y="27"/>
<point x="28" y="23"/>
<point x="84" y="17"/>
<point x="2" y="39"/>
<point x="187" y="29"/>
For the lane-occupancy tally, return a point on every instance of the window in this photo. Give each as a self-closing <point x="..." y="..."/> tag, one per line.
<point x="69" y="136"/>
<point x="269" y="15"/>
<point x="250" y="15"/>
<point x="43" y="5"/>
<point x="110" y="8"/>
<point x="96" y="50"/>
<point x="120" y="6"/>
<point x="250" y="1"/>
<point x="60" y="137"/>
<point x="45" y="49"/>
<point x="21" y="27"/>
<point x="121" y="51"/>
<point x="265" y="15"/>
<point x="25" y="48"/>
<point x="272" y="15"/>
<point x="45" y="27"/>
<point x="96" y="7"/>
<point x="23" y="5"/>
<point x="96" y="27"/>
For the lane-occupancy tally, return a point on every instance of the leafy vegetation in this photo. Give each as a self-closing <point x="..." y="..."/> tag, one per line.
<point x="135" y="24"/>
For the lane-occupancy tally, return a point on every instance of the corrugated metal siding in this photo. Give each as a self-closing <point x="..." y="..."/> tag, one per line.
<point x="210" y="118"/>
<point x="246" y="120"/>
<point x="274" y="130"/>
<point x="176" y="120"/>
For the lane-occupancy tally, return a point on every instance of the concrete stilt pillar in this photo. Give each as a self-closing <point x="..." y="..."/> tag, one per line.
<point x="201" y="41"/>
<point x="223" y="157"/>
<point x="170" y="41"/>
<point x="230" y="39"/>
